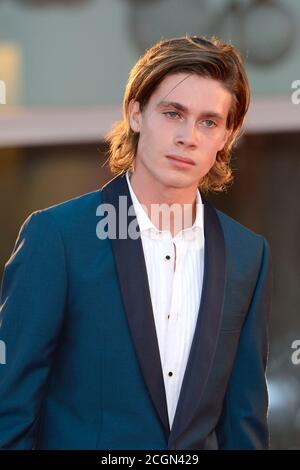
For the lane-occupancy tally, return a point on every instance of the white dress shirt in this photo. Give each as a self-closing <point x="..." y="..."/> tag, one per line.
<point x="175" y="276"/>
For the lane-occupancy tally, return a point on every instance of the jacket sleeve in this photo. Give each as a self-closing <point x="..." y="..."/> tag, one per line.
<point x="32" y="298"/>
<point x="243" y="423"/>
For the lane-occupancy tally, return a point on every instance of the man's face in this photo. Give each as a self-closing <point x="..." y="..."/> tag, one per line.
<point x="185" y="117"/>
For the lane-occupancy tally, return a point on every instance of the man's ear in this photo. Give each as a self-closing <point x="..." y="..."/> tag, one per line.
<point x="135" y="115"/>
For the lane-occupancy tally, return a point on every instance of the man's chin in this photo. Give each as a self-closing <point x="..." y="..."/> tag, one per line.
<point x="179" y="183"/>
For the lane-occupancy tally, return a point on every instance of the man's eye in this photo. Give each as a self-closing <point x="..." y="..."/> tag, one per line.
<point x="209" y="123"/>
<point x="171" y="114"/>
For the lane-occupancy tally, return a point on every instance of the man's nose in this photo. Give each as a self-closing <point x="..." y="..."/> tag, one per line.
<point x="187" y="134"/>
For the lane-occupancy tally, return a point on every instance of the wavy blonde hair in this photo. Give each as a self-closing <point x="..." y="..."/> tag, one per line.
<point x="191" y="54"/>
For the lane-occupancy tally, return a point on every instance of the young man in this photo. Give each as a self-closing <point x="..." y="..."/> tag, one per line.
<point x="153" y="337"/>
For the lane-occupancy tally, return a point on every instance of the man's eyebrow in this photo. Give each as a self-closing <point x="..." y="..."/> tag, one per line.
<point x="184" y="109"/>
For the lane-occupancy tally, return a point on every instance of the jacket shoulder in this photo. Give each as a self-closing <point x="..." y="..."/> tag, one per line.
<point x="75" y="210"/>
<point x="73" y="216"/>
<point x="75" y="206"/>
<point x="234" y="229"/>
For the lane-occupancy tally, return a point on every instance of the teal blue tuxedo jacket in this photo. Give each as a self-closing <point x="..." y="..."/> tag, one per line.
<point x="83" y="367"/>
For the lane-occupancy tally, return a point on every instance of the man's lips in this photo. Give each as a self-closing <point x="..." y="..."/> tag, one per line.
<point x="181" y="159"/>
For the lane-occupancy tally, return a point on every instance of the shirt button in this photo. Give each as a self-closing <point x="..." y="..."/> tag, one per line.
<point x="169" y="316"/>
<point x="168" y="257"/>
<point x="170" y="374"/>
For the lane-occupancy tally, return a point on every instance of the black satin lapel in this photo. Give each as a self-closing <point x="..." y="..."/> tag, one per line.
<point x="133" y="281"/>
<point x="207" y="326"/>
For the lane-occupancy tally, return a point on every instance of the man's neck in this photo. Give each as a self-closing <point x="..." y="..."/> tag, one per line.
<point x="168" y="208"/>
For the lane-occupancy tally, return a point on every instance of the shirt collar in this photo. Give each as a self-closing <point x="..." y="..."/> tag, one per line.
<point x="146" y="226"/>
<point x="141" y="214"/>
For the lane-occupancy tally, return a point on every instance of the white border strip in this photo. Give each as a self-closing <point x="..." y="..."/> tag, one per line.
<point x="50" y="126"/>
<point x="273" y="114"/>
